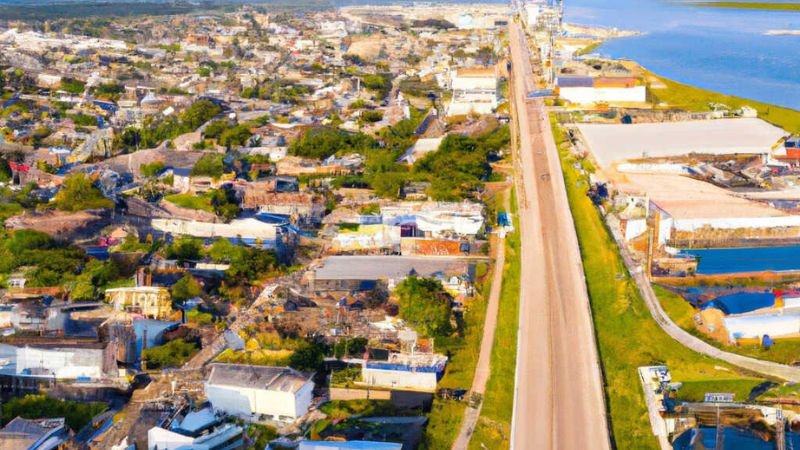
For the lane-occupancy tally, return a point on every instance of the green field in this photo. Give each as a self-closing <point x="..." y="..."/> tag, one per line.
<point x="696" y="99"/>
<point x="627" y="335"/>
<point x="771" y="6"/>
<point x="191" y="201"/>
<point x="493" y="429"/>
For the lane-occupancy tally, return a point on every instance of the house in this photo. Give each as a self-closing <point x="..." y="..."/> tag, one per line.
<point x="280" y="393"/>
<point x="33" y="434"/>
<point x="197" y="430"/>
<point x="474" y="91"/>
<point x="67" y="360"/>
<point x="150" y="301"/>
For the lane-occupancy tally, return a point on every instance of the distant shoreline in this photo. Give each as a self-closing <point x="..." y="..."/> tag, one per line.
<point x="762" y="5"/>
<point x="783" y="33"/>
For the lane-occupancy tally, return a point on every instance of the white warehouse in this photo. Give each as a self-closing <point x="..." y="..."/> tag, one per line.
<point x="474" y="91"/>
<point x="67" y="361"/>
<point x="280" y="393"/>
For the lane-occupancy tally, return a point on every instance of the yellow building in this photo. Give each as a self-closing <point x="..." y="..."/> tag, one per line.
<point x="149" y="301"/>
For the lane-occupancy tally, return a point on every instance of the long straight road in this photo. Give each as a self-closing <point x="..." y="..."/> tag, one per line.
<point x="559" y="402"/>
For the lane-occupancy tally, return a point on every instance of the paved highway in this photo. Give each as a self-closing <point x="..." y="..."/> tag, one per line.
<point x="559" y="402"/>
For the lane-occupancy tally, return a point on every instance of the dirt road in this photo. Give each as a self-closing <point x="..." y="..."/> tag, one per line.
<point x="559" y="402"/>
<point x="482" y="370"/>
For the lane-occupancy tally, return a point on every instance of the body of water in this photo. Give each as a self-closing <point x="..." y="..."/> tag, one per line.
<point x="720" y="49"/>
<point x="738" y="260"/>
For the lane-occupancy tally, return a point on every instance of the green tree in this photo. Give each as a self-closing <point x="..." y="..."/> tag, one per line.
<point x="76" y="414"/>
<point x="425" y="305"/>
<point x="235" y="136"/>
<point x="78" y="193"/>
<point x="187" y="287"/>
<point x="152" y="169"/>
<point x="185" y="249"/>
<point x="199" y="113"/>
<point x="210" y="165"/>
<point x="323" y="142"/>
<point x="309" y="357"/>
<point x="172" y="354"/>
<point x="215" y="129"/>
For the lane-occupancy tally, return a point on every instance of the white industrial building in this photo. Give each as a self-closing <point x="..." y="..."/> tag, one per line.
<point x="419" y="372"/>
<point x="589" y="91"/>
<point x="251" y="228"/>
<point x="280" y="393"/>
<point x="435" y="219"/>
<point x="757" y="325"/>
<point x="67" y="361"/>
<point x="474" y="91"/>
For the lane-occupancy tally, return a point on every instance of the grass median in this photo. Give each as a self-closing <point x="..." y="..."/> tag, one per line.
<point x="627" y="335"/>
<point x="493" y="429"/>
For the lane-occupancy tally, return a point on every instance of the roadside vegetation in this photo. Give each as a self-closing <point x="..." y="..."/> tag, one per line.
<point x="627" y="335"/>
<point x="463" y="348"/>
<point x="493" y="429"/>
<point x="697" y="99"/>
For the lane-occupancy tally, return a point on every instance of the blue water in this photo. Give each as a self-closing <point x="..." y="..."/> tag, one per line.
<point x="714" y="48"/>
<point x="738" y="260"/>
<point x="733" y="439"/>
<point x="742" y="302"/>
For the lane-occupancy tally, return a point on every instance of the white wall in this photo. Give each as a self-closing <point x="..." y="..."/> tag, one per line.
<point x="167" y="440"/>
<point x="474" y="83"/>
<point x="738" y="222"/>
<point x="466" y="108"/>
<point x="757" y="326"/>
<point x="399" y="379"/>
<point x="65" y="363"/>
<point x="244" y="401"/>
<point x="591" y="95"/>
<point x="246" y="228"/>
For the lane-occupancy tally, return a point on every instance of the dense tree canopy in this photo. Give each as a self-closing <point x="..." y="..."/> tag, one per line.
<point x="154" y="133"/>
<point x="172" y="354"/>
<point x="76" y="414"/>
<point x="187" y="287"/>
<point x="210" y="165"/>
<point x="78" y="193"/>
<point x="323" y="142"/>
<point x="425" y="305"/>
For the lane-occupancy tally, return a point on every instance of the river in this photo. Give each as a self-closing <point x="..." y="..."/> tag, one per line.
<point x="721" y="49"/>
